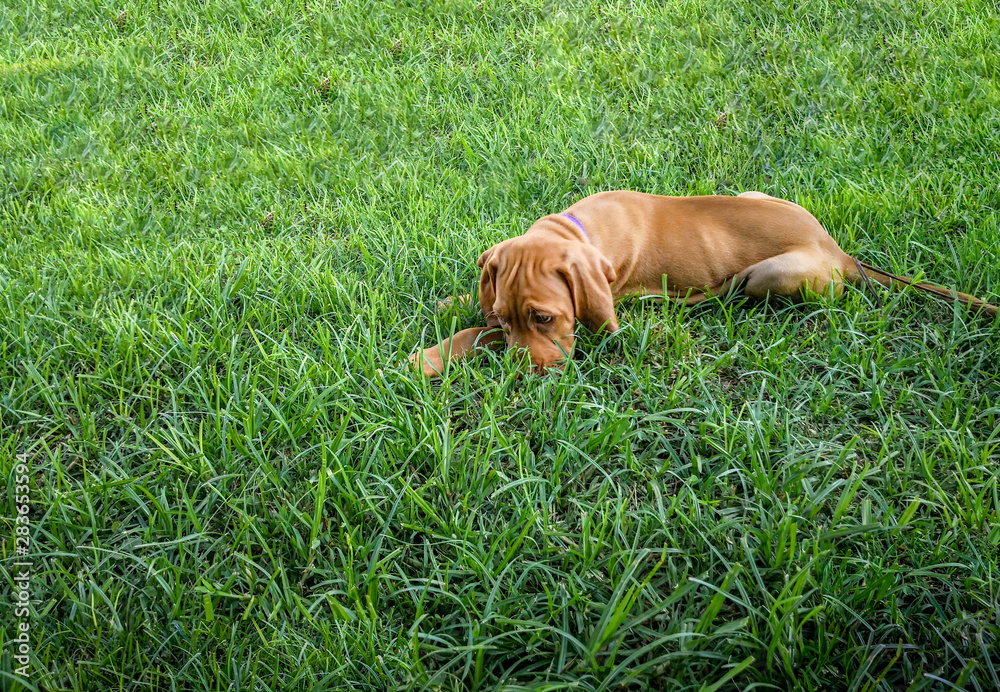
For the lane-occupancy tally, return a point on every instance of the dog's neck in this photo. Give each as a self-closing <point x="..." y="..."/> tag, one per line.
<point x="564" y="226"/>
<point x="577" y="223"/>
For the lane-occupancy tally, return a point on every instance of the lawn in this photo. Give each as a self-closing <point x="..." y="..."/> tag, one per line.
<point x="225" y="224"/>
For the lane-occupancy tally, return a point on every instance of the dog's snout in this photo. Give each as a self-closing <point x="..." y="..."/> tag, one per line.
<point x="538" y="355"/>
<point x="539" y="365"/>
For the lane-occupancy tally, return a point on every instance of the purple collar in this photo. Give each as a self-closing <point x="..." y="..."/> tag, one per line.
<point x="578" y="225"/>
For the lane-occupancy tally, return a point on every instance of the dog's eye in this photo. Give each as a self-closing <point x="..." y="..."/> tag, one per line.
<point x="543" y="319"/>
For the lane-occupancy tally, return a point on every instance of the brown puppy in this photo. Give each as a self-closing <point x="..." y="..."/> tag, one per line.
<point x="610" y="245"/>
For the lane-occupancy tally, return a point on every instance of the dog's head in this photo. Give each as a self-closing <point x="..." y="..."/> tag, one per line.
<point x="536" y="289"/>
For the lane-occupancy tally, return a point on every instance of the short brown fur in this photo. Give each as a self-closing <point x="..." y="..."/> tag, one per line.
<point x="534" y="287"/>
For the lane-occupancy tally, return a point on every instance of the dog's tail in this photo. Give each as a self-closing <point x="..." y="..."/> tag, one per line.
<point x="867" y="273"/>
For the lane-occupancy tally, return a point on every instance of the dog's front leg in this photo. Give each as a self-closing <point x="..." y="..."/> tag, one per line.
<point x="431" y="361"/>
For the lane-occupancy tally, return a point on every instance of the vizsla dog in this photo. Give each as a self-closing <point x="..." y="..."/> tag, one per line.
<point x="573" y="265"/>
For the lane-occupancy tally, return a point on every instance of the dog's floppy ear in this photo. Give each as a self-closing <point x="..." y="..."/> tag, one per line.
<point x="487" y="262"/>
<point x="590" y="275"/>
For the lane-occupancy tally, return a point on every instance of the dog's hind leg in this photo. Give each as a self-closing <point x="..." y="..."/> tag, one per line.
<point x="694" y="297"/>
<point x="791" y="272"/>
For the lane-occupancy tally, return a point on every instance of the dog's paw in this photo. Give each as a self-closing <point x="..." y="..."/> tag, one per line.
<point x="426" y="362"/>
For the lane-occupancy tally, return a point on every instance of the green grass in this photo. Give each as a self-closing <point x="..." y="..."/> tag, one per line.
<point x="225" y="224"/>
